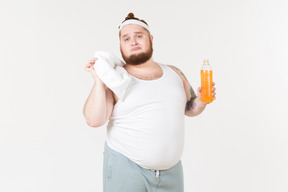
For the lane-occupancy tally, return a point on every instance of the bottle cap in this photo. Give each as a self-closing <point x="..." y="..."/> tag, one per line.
<point x="206" y="62"/>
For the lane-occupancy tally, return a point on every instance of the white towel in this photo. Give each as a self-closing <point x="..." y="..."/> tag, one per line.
<point x="110" y="70"/>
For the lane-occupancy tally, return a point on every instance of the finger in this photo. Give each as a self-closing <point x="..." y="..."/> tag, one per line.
<point x="88" y="65"/>
<point x="213" y="83"/>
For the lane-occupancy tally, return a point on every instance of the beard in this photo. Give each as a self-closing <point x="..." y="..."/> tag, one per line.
<point x="137" y="59"/>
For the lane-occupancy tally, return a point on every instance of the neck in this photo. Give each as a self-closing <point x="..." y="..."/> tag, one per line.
<point x="149" y="70"/>
<point x="148" y="64"/>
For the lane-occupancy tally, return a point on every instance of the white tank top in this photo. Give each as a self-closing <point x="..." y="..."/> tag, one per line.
<point x="148" y="125"/>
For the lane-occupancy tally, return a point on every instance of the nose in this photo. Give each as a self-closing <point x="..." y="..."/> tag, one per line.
<point x="134" y="41"/>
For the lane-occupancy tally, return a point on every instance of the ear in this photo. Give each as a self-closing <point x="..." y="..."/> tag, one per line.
<point x="151" y="36"/>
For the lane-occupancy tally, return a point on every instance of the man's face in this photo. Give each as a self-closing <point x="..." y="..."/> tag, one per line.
<point x="135" y="44"/>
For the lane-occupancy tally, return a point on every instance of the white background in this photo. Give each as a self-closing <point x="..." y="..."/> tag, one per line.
<point x="240" y="142"/>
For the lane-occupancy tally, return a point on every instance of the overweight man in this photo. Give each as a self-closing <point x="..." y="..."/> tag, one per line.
<point x="145" y="132"/>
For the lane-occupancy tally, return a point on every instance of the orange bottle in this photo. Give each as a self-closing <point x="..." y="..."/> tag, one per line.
<point x="206" y="82"/>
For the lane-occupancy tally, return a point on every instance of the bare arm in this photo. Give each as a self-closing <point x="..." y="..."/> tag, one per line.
<point x="99" y="105"/>
<point x="194" y="106"/>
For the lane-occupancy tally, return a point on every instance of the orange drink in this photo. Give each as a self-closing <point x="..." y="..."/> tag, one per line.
<point x="206" y="83"/>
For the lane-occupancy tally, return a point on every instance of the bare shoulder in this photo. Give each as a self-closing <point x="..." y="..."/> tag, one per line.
<point x="190" y="94"/>
<point x="184" y="79"/>
<point x="179" y="72"/>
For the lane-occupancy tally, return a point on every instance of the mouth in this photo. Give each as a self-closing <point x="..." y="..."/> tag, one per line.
<point x="135" y="48"/>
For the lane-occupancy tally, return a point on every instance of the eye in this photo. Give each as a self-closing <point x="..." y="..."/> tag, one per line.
<point x="126" y="39"/>
<point x="139" y="36"/>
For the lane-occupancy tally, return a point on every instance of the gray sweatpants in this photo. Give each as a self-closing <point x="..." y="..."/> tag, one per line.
<point x="122" y="175"/>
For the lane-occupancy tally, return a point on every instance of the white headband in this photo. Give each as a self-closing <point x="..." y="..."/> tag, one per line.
<point x="134" y="21"/>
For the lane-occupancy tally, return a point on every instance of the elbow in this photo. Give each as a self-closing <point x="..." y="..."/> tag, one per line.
<point x="95" y="120"/>
<point x="192" y="113"/>
<point x="94" y="124"/>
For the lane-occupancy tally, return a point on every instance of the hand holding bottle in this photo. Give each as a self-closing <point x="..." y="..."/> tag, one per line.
<point x="207" y="89"/>
<point x="199" y="90"/>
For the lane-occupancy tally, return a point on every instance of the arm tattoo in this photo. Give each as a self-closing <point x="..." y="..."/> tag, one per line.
<point x="191" y="104"/>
